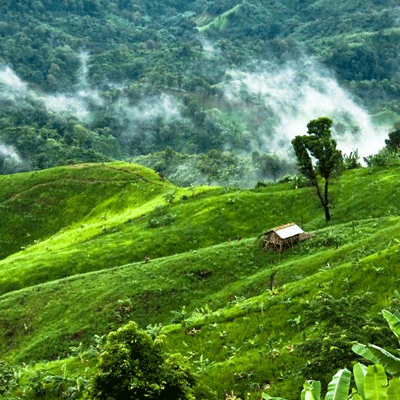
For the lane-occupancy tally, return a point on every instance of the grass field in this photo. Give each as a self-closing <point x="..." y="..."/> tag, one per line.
<point x="130" y="246"/>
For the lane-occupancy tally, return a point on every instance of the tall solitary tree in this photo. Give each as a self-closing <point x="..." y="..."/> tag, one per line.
<point x="318" y="144"/>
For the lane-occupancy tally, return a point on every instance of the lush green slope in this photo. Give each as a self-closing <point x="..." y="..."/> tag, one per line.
<point x="249" y="320"/>
<point x="35" y="206"/>
<point x="119" y="226"/>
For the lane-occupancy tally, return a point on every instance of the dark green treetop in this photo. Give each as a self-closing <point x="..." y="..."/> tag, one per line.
<point x="133" y="366"/>
<point x="318" y="144"/>
<point x="393" y="142"/>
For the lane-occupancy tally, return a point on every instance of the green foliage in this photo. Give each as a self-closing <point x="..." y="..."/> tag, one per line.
<point x="351" y="161"/>
<point x="246" y="313"/>
<point x="217" y="167"/>
<point x="375" y="383"/>
<point x="160" y="217"/>
<point x="359" y="372"/>
<point x="384" y="158"/>
<point x="269" y="166"/>
<point x="366" y="63"/>
<point x="371" y="382"/>
<point x="311" y="390"/>
<point x="393" y="142"/>
<point x="132" y="366"/>
<point x="378" y="355"/>
<point x="338" y="388"/>
<point x="7" y="378"/>
<point x="41" y="148"/>
<point x="36" y="382"/>
<point x="322" y="147"/>
<point x="70" y="197"/>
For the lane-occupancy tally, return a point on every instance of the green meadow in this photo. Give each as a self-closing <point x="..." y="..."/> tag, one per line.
<point x="85" y="249"/>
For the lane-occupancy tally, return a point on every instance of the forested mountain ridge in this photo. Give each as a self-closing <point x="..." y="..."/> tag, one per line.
<point x="95" y="80"/>
<point x="130" y="39"/>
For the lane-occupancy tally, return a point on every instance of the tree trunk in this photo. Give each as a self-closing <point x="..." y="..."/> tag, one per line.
<point x="324" y="200"/>
<point x="326" y="205"/>
<point x="327" y="214"/>
<point x="326" y="192"/>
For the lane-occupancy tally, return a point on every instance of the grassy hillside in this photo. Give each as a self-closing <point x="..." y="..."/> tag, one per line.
<point x="249" y="320"/>
<point x="35" y="206"/>
<point x="140" y="217"/>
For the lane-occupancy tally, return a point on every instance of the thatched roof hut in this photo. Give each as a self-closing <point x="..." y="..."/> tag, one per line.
<point x="284" y="237"/>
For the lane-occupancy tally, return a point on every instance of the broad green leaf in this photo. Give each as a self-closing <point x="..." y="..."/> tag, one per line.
<point x="364" y="351"/>
<point x="379" y="356"/>
<point x="393" y="391"/>
<point x="359" y="372"/>
<point x="338" y="388"/>
<point x="355" y="396"/>
<point x="393" y="321"/>
<point x="266" y="396"/>
<point x="375" y="383"/>
<point x="311" y="390"/>
<point x="388" y="360"/>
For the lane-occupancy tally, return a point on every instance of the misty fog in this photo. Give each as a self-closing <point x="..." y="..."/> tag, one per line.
<point x="294" y="94"/>
<point x="273" y="103"/>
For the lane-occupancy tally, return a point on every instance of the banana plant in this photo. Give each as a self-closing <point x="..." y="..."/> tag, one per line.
<point x="338" y="388"/>
<point x="376" y="354"/>
<point x="371" y="383"/>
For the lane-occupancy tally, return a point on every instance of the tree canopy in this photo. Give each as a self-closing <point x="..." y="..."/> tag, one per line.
<point x="393" y="142"/>
<point x="318" y="144"/>
<point x="133" y="366"/>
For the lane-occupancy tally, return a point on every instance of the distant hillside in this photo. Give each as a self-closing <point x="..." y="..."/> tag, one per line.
<point x="134" y="40"/>
<point x="93" y="81"/>
<point x="187" y="263"/>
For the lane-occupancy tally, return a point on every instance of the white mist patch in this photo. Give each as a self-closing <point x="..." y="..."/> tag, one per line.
<point x="84" y="69"/>
<point x="163" y="106"/>
<point x="296" y="93"/>
<point x="142" y="121"/>
<point x="11" y="86"/>
<point x="76" y="103"/>
<point x="396" y="15"/>
<point x="11" y="80"/>
<point x="9" y="152"/>
<point x="84" y="91"/>
<point x="64" y="104"/>
<point x="208" y="48"/>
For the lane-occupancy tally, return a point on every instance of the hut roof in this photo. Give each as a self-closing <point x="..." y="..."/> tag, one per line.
<point x="287" y="231"/>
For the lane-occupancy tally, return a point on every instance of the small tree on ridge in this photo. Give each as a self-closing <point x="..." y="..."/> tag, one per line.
<point x="318" y="144"/>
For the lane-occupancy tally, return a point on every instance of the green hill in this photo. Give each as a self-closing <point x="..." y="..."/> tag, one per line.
<point x="249" y="320"/>
<point x="202" y="92"/>
<point x="35" y="206"/>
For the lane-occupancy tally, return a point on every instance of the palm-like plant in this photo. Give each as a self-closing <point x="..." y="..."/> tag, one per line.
<point x="371" y="382"/>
